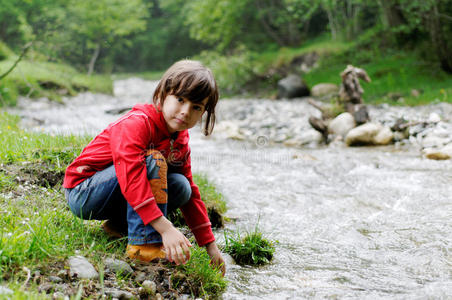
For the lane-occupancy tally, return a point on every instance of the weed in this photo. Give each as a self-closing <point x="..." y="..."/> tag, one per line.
<point x="199" y="276"/>
<point x="252" y="249"/>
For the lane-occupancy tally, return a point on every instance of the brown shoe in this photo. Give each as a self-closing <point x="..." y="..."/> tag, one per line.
<point x="112" y="230"/>
<point x="146" y="252"/>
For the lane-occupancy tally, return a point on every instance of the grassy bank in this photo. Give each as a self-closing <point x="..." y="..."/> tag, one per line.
<point x="34" y="77"/>
<point x="39" y="232"/>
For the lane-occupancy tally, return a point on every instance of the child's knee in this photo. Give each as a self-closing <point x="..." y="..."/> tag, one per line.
<point x="179" y="189"/>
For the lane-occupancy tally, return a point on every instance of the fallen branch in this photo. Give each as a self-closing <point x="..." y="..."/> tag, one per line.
<point x="24" y="51"/>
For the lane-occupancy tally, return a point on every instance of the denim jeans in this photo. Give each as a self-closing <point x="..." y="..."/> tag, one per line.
<point x="99" y="197"/>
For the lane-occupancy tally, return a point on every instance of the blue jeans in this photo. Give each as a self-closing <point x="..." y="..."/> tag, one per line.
<point x="99" y="197"/>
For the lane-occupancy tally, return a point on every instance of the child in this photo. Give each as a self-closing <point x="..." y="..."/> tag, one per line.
<point x="139" y="168"/>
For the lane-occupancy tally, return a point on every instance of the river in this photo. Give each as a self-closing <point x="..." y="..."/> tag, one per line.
<point x="351" y="223"/>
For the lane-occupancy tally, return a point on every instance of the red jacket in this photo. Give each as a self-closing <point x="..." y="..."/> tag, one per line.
<point x="124" y="144"/>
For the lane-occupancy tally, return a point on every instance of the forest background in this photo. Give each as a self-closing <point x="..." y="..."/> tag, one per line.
<point x="249" y="44"/>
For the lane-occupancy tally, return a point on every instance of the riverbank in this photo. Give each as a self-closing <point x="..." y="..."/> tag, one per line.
<point x="41" y="239"/>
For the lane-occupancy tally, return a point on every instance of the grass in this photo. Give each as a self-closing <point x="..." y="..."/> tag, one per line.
<point x="251" y="249"/>
<point x="46" y="79"/>
<point x="38" y="230"/>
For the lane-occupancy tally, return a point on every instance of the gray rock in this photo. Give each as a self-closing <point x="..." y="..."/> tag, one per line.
<point x="114" y="293"/>
<point x="5" y="291"/>
<point x="149" y="287"/>
<point x="80" y="267"/>
<point x="369" y="134"/>
<point x="140" y="278"/>
<point x="46" y="288"/>
<point x="291" y="87"/>
<point x="118" y="266"/>
<point x="324" y="89"/>
<point x="55" y="279"/>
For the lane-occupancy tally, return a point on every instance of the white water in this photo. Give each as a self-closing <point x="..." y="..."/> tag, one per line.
<point x="360" y="223"/>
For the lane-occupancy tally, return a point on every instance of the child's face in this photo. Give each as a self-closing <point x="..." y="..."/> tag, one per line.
<point x="180" y="113"/>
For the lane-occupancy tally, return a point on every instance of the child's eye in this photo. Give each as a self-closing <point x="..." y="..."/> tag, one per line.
<point x="180" y="99"/>
<point x="197" y="107"/>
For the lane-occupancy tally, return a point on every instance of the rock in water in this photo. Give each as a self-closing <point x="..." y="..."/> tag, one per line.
<point x="342" y="124"/>
<point x="439" y="154"/>
<point x="80" y="267"/>
<point x="369" y="134"/>
<point x="291" y="87"/>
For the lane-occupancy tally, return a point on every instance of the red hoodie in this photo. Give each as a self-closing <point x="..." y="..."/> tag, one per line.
<point x="124" y="144"/>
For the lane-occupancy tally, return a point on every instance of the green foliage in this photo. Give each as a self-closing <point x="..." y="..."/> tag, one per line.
<point x="203" y="280"/>
<point x="5" y="52"/>
<point x="252" y="249"/>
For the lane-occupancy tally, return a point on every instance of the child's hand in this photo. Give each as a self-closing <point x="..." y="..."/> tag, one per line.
<point x="176" y="246"/>
<point x="215" y="257"/>
<point x="174" y="242"/>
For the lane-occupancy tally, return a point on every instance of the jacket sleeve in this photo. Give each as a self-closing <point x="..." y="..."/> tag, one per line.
<point x="195" y="213"/>
<point x="129" y="138"/>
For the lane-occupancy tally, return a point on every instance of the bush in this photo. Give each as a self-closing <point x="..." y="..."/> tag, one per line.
<point x="253" y="249"/>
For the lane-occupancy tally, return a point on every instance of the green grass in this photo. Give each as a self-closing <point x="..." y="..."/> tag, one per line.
<point x="251" y="249"/>
<point x="38" y="230"/>
<point x="391" y="71"/>
<point x="46" y="79"/>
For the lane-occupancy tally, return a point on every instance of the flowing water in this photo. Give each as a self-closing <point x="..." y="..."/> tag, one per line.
<point x="359" y="223"/>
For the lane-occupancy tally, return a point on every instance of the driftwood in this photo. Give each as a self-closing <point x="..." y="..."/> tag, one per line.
<point x="350" y="98"/>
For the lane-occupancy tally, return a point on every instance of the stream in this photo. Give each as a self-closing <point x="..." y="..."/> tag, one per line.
<point x="359" y="223"/>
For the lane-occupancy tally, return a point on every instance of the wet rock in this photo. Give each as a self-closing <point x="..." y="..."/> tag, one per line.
<point x="118" y="266"/>
<point x="342" y="124"/>
<point x="291" y="87"/>
<point x="324" y="89"/>
<point x="55" y="279"/>
<point x="369" y="134"/>
<point x="443" y="153"/>
<point x="122" y="295"/>
<point x="80" y="267"/>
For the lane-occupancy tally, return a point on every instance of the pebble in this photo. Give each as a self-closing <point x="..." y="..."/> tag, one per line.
<point x="149" y="287"/>
<point x="114" y="293"/>
<point x="80" y="267"/>
<point x="118" y="266"/>
<point x="55" y="279"/>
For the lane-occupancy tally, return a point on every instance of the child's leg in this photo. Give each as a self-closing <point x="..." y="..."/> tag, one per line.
<point x="179" y="191"/>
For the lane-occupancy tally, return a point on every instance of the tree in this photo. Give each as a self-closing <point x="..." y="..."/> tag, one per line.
<point x="103" y="22"/>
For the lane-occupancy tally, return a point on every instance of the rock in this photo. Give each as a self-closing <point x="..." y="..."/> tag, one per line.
<point x="439" y="154"/>
<point x="5" y="291"/>
<point x="415" y="93"/>
<point x="291" y="87"/>
<point x="324" y="89"/>
<point x="230" y="130"/>
<point x="80" y="267"/>
<point x="140" y="278"/>
<point x="149" y="287"/>
<point x="114" y="293"/>
<point x="45" y="288"/>
<point x="55" y="279"/>
<point x="342" y="124"/>
<point x="434" y="118"/>
<point x="118" y="266"/>
<point x="434" y="141"/>
<point x="310" y="136"/>
<point x="361" y="114"/>
<point x="384" y="137"/>
<point x="369" y="134"/>
<point x="59" y="296"/>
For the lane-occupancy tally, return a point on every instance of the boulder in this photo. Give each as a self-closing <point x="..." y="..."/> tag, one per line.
<point x="291" y="87"/>
<point x="342" y="124"/>
<point x="324" y="89"/>
<point x="369" y="134"/>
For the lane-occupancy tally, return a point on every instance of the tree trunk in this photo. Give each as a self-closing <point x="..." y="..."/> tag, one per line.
<point x="438" y="39"/>
<point x="391" y="13"/>
<point x="93" y="59"/>
<point x="331" y="22"/>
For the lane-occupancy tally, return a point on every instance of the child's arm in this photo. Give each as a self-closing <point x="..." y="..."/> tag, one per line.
<point x="215" y="256"/>
<point x="175" y="243"/>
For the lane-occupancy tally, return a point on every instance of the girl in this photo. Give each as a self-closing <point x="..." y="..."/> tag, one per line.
<point x="138" y="169"/>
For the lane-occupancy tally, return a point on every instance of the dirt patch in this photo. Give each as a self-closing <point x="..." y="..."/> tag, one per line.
<point x="34" y="173"/>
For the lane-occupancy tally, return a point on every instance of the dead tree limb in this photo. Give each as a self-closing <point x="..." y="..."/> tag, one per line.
<point x="24" y="51"/>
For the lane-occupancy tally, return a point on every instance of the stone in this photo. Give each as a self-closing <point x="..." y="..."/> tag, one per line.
<point x="291" y="87"/>
<point x="434" y="118"/>
<point x="415" y="93"/>
<point x="324" y="89"/>
<point x="118" y="266"/>
<point x="80" y="267"/>
<point x="45" y="288"/>
<point x="55" y="279"/>
<point x="230" y="130"/>
<point x="369" y="134"/>
<point x="5" y="291"/>
<point x="342" y="124"/>
<point x="140" y="278"/>
<point x="149" y="287"/>
<point x="443" y="153"/>
<point x="114" y="293"/>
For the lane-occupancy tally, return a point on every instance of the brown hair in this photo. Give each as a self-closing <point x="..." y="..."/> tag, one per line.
<point x="191" y="80"/>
